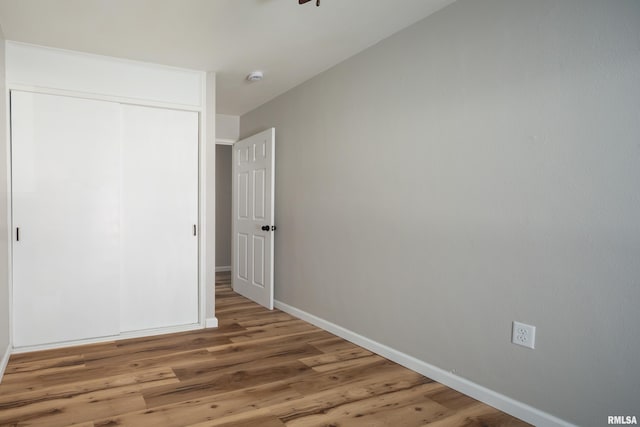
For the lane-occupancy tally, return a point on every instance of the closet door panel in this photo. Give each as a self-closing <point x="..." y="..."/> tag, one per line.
<point x="66" y="192"/>
<point x="159" y="285"/>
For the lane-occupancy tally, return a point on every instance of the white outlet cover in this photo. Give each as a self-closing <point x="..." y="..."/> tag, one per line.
<point x="523" y="334"/>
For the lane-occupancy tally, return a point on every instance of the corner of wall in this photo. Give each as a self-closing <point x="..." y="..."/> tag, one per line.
<point x="5" y="320"/>
<point x="4" y="361"/>
<point x="210" y="202"/>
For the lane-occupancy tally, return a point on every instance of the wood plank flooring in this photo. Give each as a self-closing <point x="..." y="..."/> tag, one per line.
<point x="259" y="368"/>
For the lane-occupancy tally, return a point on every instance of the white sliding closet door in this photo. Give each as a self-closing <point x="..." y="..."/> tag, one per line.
<point x="66" y="217"/>
<point x="159" y="214"/>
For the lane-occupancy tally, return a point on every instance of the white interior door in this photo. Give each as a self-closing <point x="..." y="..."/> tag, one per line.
<point x="253" y="217"/>
<point x="159" y="216"/>
<point x="66" y="210"/>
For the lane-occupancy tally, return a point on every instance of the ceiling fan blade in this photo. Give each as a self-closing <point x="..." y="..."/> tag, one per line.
<point x="303" y="1"/>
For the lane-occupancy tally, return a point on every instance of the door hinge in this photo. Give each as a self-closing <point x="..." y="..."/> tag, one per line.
<point x="195" y="230"/>
<point x="17" y="234"/>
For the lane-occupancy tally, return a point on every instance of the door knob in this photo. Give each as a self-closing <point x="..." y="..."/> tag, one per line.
<point x="265" y="228"/>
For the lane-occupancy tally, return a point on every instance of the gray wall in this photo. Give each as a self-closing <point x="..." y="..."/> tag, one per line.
<point x="223" y="205"/>
<point x="479" y="167"/>
<point x="4" y="255"/>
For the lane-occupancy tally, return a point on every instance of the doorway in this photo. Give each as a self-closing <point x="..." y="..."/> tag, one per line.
<point x="223" y="214"/>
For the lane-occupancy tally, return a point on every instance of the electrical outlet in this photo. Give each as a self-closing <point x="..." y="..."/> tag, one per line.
<point x="524" y="335"/>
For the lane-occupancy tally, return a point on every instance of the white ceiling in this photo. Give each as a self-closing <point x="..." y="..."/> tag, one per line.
<point x="290" y="43"/>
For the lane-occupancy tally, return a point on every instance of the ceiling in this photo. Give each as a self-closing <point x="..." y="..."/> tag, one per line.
<point x="289" y="42"/>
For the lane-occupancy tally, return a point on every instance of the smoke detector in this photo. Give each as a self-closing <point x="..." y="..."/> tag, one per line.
<point x="255" y="76"/>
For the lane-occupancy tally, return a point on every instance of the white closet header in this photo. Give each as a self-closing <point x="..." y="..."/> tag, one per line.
<point x="48" y="68"/>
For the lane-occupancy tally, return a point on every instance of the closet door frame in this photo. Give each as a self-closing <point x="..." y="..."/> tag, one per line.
<point x="201" y="226"/>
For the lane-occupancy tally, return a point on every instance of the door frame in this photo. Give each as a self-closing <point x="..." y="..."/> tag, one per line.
<point x="227" y="142"/>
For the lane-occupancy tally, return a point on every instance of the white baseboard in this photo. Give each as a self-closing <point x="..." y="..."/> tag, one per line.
<point x="223" y="268"/>
<point x="5" y="361"/>
<point x="211" y="322"/>
<point x="504" y="403"/>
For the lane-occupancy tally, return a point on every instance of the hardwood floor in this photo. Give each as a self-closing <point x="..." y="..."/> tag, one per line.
<point x="259" y="368"/>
